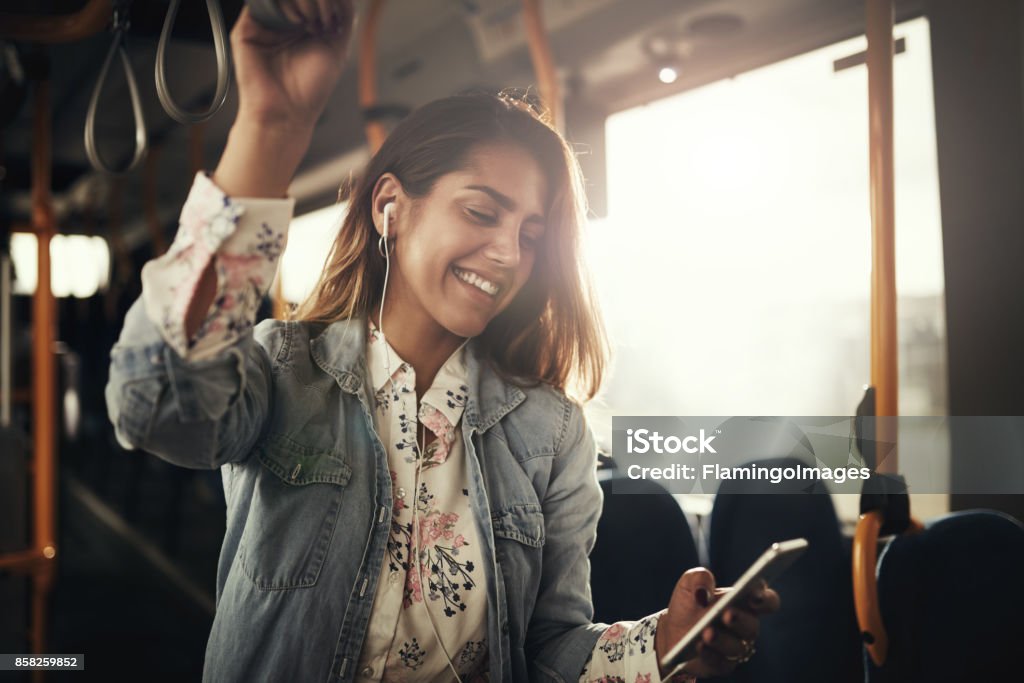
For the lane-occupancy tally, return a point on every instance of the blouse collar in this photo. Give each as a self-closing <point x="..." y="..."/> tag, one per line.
<point x="447" y="394"/>
<point x="339" y="349"/>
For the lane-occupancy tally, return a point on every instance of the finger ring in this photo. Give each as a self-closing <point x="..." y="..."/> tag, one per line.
<point x="748" y="652"/>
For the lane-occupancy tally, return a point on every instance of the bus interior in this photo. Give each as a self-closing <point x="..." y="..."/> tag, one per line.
<point x="795" y="208"/>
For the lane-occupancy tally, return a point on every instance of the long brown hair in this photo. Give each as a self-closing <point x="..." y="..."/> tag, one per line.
<point x="552" y="331"/>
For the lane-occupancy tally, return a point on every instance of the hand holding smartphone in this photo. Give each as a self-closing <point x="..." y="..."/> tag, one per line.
<point x="768" y="567"/>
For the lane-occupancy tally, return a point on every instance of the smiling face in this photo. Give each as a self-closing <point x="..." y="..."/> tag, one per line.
<point x="464" y="251"/>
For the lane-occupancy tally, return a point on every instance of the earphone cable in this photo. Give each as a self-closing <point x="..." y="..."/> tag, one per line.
<point x="387" y="272"/>
<point x="416" y="553"/>
<point x="415" y="559"/>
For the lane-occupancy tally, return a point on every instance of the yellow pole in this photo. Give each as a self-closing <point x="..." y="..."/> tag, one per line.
<point x="884" y="348"/>
<point x="375" y="131"/>
<point x="543" y="62"/>
<point x="44" y="321"/>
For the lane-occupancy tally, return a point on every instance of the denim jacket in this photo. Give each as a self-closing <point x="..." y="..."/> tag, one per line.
<point x="284" y="414"/>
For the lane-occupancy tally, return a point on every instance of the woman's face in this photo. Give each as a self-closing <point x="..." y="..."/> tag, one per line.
<point x="465" y="250"/>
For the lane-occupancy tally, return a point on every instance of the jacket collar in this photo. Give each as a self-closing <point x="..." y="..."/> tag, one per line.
<point x="339" y="349"/>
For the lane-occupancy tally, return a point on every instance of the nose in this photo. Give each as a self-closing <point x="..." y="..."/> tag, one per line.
<point x="503" y="247"/>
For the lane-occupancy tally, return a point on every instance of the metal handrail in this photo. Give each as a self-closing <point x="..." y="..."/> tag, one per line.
<point x="44" y="374"/>
<point x="884" y="347"/>
<point x="374" y="129"/>
<point x="865" y="582"/>
<point x="543" y="62"/>
<point x="220" y="46"/>
<point x="879" y="20"/>
<point x="63" y="28"/>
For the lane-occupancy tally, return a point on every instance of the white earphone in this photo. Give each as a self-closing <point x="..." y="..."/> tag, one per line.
<point x="389" y="210"/>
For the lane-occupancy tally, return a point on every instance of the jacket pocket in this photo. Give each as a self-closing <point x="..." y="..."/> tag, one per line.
<point x="523" y="523"/>
<point x="519" y="546"/>
<point x="135" y="408"/>
<point x="293" y="513"/>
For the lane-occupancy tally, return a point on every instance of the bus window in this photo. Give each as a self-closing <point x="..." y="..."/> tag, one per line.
<point x="741" y="209"/>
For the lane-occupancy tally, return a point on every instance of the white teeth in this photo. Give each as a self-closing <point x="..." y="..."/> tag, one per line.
<point x="477" y="281"/>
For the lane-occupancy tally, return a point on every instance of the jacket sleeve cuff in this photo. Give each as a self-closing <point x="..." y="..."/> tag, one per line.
<point x="247" y="237"/>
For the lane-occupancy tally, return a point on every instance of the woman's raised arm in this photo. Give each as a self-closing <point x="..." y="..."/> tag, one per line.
<point x="284" y="81"/>
<point x="189" y="379"/>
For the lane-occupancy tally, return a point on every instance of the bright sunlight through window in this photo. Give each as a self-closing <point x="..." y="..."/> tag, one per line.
<point x="736" y="253"/>
<point x="734" y="264"/>
<point x="79" y="265"/>
<point x="310" y="237"/>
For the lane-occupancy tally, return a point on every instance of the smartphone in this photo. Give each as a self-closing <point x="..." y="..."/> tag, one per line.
<point x="769" y="566"/>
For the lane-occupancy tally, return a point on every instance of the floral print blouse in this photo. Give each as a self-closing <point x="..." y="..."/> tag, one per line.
<point x="431" y="604"/>
<point x="432" y="578"/>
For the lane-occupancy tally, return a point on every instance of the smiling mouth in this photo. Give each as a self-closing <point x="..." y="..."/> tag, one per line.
<point x="486" y="286"/>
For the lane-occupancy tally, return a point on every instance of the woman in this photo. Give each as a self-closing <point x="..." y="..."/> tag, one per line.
<point x="411" y="493"/>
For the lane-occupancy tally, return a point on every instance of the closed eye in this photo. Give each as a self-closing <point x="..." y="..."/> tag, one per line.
<point x="481" y="217"/>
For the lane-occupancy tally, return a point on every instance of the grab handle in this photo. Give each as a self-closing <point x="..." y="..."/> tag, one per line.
<point x="141" y="145"/>
<point x="220" y="46"/>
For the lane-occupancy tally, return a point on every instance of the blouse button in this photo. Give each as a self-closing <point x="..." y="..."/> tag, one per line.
<point x="401" y="493"/>
<point x="393" y="578"/>
<point x="368" y="671"/>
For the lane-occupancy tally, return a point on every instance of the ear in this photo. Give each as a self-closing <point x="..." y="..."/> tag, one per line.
<point x="386" y="190"/>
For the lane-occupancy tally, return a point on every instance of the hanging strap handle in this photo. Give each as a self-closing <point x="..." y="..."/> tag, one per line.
<point x="120" y="25"/>
<point x="220" y="46"/>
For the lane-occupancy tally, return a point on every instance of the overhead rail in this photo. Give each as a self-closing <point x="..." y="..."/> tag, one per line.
<point x="64" y="28"/>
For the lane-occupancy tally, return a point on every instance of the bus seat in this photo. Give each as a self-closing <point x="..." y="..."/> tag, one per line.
<point x="814" y="636"/>
<point x="951" y="599"/>
<point x="644" y="545"/>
